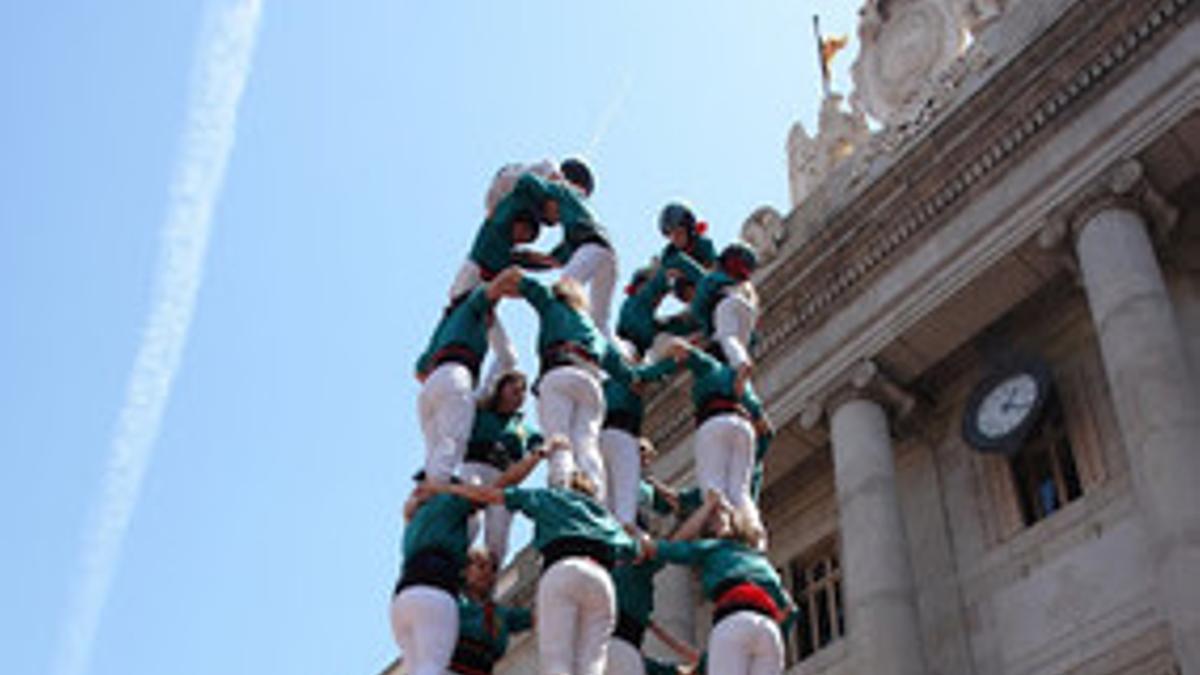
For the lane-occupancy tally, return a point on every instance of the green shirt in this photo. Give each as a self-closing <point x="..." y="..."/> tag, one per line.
<point x="763" y="444"/>
<point x="578" y="222"/>
<point x="635" y="589"/>
<point x="624" y="406"/>
<point x="656" y="667"/>
<point x="562" y="323"/>
<point x="463" y="325"/>
<point x="712" y="379"/>
<point x="559" y="513"/>
<point x="580" y="225"/>
<point x="709" y="291"/>
<point x="680" y="323"/>
<point x="472" y="624"/>
<point x="722" y="560"/>
<point x="499" y="439"/>
<point x="635" y="320"/>
<point x="649" y="498"/>
<point x="439" y="523"/>
<point x="693" y="261"/>
<point x="493" y="248"/>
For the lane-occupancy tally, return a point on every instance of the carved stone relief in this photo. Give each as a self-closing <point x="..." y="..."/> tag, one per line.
<point x="764" y="231"/>
<point x="903" y="45"/>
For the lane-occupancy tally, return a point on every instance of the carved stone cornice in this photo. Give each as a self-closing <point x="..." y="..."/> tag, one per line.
<point x="1123" y="185"/>
<point x="1037" y="94"/>
<point x="866" y="380"/>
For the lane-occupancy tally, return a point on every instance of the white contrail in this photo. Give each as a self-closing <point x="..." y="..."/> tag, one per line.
<point x="219" y="76"/>
<point x="609" y="114"/>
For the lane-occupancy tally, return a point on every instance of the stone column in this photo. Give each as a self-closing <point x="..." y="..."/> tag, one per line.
<point x="880" y="597"/>
<point x="1157" y="404"/>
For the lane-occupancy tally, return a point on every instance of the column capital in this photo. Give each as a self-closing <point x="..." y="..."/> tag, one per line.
<point x="866" y="379"/>
<point x="1123" y="185"/>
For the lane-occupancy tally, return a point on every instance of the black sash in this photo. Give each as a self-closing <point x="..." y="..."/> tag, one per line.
<point x="630" y="630"/>
<point x="719" y="405"/>
<point x="576" y="547"/>
<point x="623" y="420"/>
<point x="492" y="453"/>
<point x="472" y="657"/>
<point x="431" y="567"/>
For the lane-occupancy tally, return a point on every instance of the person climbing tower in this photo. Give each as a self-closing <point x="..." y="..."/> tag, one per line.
<point x="499" y="437"/>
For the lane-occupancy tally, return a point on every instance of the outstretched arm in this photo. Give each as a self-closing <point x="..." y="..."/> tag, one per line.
<point x="694" y="525"/>
<point x="480" y="494"/>
<point x="518" y="472"/>
<point x="682" y="648"/>
<point x="535" y="260"/>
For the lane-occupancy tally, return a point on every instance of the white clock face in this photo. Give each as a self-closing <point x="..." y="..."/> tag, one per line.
<point x="1007" y="405"/>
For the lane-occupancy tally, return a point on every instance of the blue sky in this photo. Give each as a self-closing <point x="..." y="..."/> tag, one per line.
<point x="265" y="536"/>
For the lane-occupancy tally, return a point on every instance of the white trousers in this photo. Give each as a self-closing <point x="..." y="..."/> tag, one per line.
<point x="623" y="471"/>
<point x="624" y="659"/>
<point x="495" y="518"/>
<point x="745" y="643"/>
<point x="446" y="408"/>
<point x="725" y="460"/>
<point x="595" y="266"/>
<point x="733" y="323"/>
<point x="504" y="354"/>
<point x="576" y="616"/>
<point x="425" y="625"/>
<point x="571" y="403"/>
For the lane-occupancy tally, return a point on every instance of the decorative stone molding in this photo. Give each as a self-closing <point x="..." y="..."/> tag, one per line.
<point x="810" y="159"/>
<point x="829" y="281"/>
<point x="765" y="232"/>
<point x="865" y="380"/>
<point x="903" y="45"/>
<point x="934" y="97"/>
<point x="1123" y="185"/>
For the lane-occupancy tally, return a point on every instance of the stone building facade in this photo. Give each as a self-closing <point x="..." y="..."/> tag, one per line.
<point x="1033" y="198"/>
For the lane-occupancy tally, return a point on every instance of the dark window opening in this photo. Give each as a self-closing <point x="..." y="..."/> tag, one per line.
<point x="1044" y="471"/>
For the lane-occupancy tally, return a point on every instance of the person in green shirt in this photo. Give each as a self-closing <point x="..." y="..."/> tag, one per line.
<point x="688" y="249"/>
<point x="448" y="370"/>
<point x="580" y="543"/>
<point x="621" y="444"/>
<point x="749" y="600"/>
<point x="729" y="418"/>
<point x="424" y="609"/>
<point x="573" y="354"/>
<point x="484" y="626"/>
<point x="636" y="322"/>
<point x="513" y="219"/>
<point x="586" y="253"/>
<point x="424" y="612"/>
<point x="500" y="436"/>
<point x="725" y="304"/>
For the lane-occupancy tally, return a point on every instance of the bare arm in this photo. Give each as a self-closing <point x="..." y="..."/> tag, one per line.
<point x="694" y="525"/>
<point x="682" y="649"/>
<point x="518" y="472"/>
<point x="505" y="283"/>
<point x="668" y="495"/>
<point x="480" y="494"/>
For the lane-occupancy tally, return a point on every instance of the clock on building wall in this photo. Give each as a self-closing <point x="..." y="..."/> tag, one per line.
<point x="1006" y="405"/>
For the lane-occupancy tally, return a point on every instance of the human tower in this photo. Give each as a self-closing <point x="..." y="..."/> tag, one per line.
<point x="595" y="596"/>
